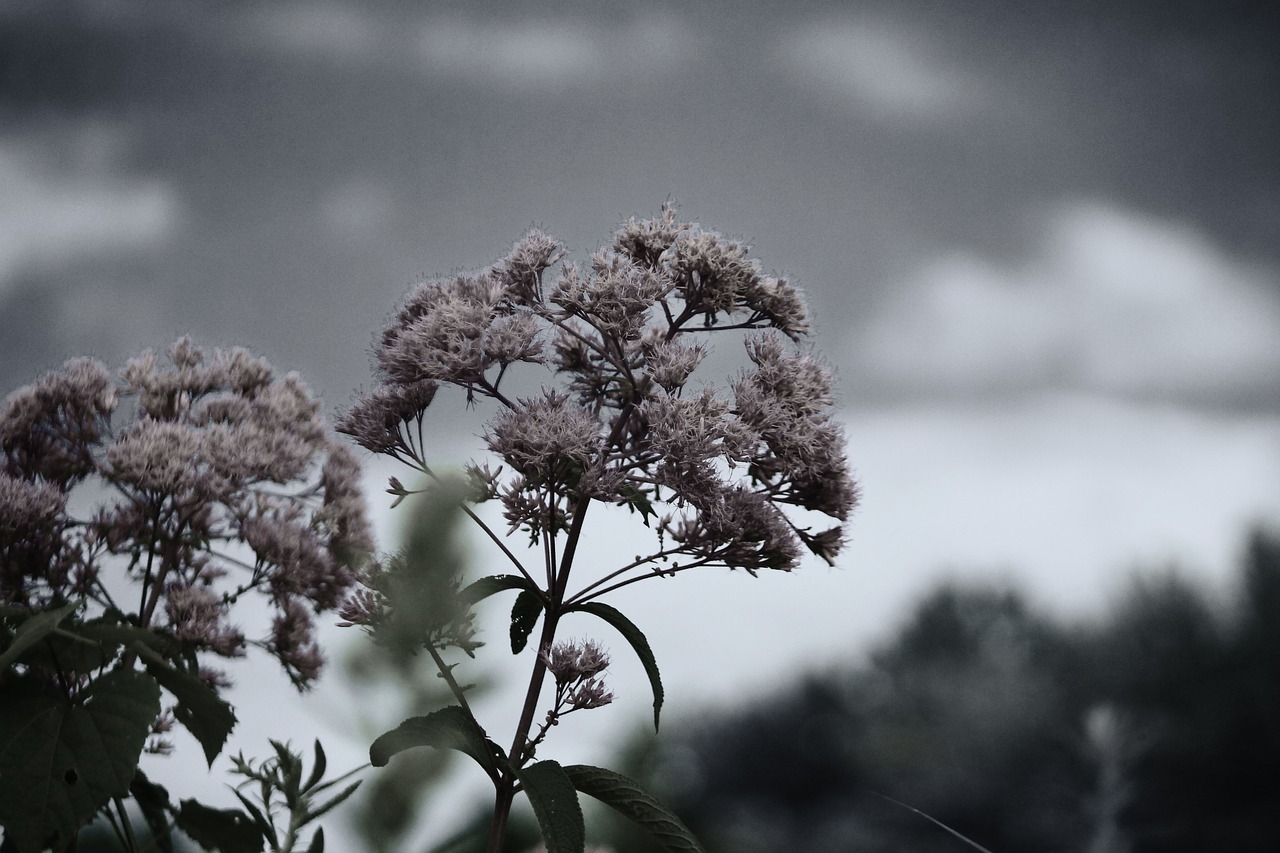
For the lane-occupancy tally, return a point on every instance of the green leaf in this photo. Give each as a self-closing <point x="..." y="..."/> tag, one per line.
<point x="317" y="841"/>
<point x="338" y="798"/>
<point x="638" y="501"/>
<point x="493" y="584"/>
<point x="268" y="831"/>
<point x="555" y="804"/>
<point x="153" y="802"/>
<point x="32" y="630"/>
<point x="524" y="615"/>
<point x="112" y="628"/>
<point x="199" y="709"/>
<point x="448" y="728"/>
<point x="225" y="830"/>
<point x="319" y="765"/>
<point x="628" y="799"/>
<point x="632" y="635"/>
<point x="61" y="762"/>
<point x="85" y="647"/>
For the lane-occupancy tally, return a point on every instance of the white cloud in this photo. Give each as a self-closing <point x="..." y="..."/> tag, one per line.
<point x="880" y="69"/>
<point x="357" y="209"/>
<point x="1111" y="301"/>
<point x="550" y="52"/>
<point x="511" y="51"/>
<point x="50" y="215"/>
<point x="339" y="31"/>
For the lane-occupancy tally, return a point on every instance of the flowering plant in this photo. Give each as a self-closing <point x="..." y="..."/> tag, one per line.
<point x="124" y="550"/>
<point x="729" y="480"/>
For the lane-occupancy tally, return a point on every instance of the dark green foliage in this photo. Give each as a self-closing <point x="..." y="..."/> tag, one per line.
<point x="524" y="615"/>
<point x="199" y="709"/>
<point x="627" y="798"/>
<point x="555" y="804"/>
<point x="153" y="802"/>
<point x="224" y="830"/>
<point x="448" y="728"/>
<point x="638" y="642"/>
<point x="60" y="762"/>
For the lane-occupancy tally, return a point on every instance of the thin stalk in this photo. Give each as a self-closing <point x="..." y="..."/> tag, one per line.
<point x="582" y="599"/>
<point x="497" y="540"/>
<point x="128" y="825"/>
<point x="581" y="594"/>
<point x="550" y="620"/>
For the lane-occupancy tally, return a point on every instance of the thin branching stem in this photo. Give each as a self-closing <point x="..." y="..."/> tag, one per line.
<point x="665" y="573"/>
<point x="581" y="594"/>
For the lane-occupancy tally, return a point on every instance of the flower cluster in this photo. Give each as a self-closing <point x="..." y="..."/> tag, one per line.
<point x="222" y="480"/>
<point x="577" y="668"/>
<point x="625" y="335"/>
<point x="732" y="475"/>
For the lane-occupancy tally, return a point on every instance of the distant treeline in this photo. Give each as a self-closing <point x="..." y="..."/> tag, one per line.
<point x="1155" y="727"/>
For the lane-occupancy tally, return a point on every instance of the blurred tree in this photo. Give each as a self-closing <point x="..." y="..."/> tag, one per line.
<point x="1154" y="728"/>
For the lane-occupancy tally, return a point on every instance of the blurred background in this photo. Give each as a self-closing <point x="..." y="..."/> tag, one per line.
<point x="1039" y="241"/>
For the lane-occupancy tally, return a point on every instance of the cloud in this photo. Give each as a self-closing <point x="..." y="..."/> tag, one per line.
<point x="50" y="214"/>
<point x="879" y="69"/>
<point x="1111" y="301"/>
<point x="357" y="209"/>
<point x="508" y="51"/>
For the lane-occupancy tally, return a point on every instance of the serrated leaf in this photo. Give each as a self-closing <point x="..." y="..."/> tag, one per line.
<point x="32" y="630"/>
<point x="224" y="830"/>
<point x="555" y="804"/>
<point x="524" y="615"/>
<point x="61" y="762"/>
<point x="199" y="709"/>
<point x="627" y="798"/>
<point x="478" y="591"/>
<point x="636" y="638"/>
<point x="448" y="728"/>
<point x="153" y="802"/>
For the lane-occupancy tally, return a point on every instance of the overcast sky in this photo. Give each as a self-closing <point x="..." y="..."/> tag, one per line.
<point x="1040" y="239"/>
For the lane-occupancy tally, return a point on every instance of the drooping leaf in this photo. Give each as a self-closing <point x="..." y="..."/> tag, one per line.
<point x="153" y="802"/>
<point x="199" y="708"/>
<point x="61" y="762"/>
<point x="448" y="728"/>
<point x="32" y="630"/>
<point x="479" y="590"/>
<point x="555" y="805"/>
<point x="632" y="635"/>
<point x="628" y="799"/>
<point x="524" y="615"/>
<point x="224" y="830"/>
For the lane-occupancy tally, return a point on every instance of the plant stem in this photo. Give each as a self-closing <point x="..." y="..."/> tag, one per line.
<point x="550" y="620"/>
